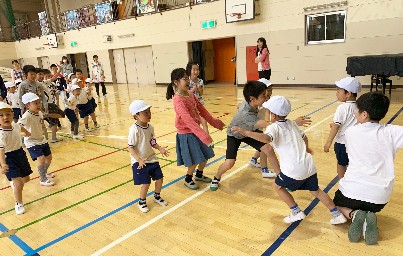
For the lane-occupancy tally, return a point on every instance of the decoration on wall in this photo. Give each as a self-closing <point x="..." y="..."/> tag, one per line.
<point x="83" y="17"/>
<point x="71" y="19"/>
<point x="43" y="22"/>
<point x="103" y="12"/>
<point x="146" y="6"/>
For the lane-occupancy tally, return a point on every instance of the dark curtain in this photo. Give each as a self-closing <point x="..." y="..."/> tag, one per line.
<point x="197" y="51"/>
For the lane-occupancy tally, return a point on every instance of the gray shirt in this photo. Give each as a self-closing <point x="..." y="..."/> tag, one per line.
<point x="246" y="118"/>
<point x="66" y="68"/>
<point x="36" y="88"/>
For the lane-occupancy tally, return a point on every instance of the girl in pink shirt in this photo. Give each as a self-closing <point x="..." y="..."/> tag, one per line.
<point x="193" y="144"/>
<point x="262" y="59"/>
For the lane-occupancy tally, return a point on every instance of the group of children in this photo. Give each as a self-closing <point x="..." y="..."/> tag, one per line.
<point x="365" y="169"/>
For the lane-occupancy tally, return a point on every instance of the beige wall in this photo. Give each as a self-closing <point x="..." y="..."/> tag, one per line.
<point x="373" y="27"/>
<point x="7" y="54"/>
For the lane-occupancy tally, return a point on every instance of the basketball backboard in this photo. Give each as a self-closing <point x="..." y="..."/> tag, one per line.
<point x="239" y="10"/>
<point x="52" y="40"/>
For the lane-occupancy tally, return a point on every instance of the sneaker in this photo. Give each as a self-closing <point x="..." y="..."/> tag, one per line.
<point x="203" y="178"/>
<point x="19" y="208"/>
<point x="78" y="137"/>
<point x="370" y="229"/>
<point x="356" y="227"/>
<point x="293" y="218"/>
<point x="338" y="220"/>
<point x="50" y="175"/>
<point x="192" y="185"/>
<point x="214" y="185"/>
<point x="47" y="183"/>
<point x="96" y="126"/>
<point x="268" y="174"/>
<point x="254" y="164"/>
<point x="144" y="208"/>
<point x="160" y="201"/>
<point x="55" y="140"/>
<point x="88" y="129"/>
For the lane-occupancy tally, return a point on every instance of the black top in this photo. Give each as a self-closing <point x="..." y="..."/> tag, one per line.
<point x="3" y="89"/>
<point x="386" y="65"/>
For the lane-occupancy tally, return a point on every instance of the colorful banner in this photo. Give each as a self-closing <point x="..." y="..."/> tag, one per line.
<point x="43" y="22"/>
<point x="83" y="17"/>
<point x="103" y="12"/>
<point x="146" y="6"/>
<point x="71" y="20"/>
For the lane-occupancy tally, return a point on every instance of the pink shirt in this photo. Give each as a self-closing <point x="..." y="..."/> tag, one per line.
<point x="187" y="119"/>
<point x="264" y="59"/>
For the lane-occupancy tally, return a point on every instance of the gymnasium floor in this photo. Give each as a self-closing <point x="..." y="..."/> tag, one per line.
<point x="93" y="207"/>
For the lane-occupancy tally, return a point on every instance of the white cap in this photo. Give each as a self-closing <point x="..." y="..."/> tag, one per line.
<point x="4" y="105"/>
<point x="74" y="81"/>
<point x="69" y="75"/>
<point x="9" y="84"/>
<point x="29" y="97"/>
<point x="349" y="84"/>
<point x="88" y="80"/>
<point x="138" y="106"/>
<point x="265" y="81"/>
<point x="75" y="87"/>
<point x="18" y="81"/>
<point x="278" y="105"/>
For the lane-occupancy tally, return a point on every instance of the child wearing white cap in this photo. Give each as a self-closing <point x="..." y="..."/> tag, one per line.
<point x="13" y="100"/>
<point x="347" y="89"/>
<point x="70" y="111"/>
<point x="144" y="161"/>
<point x="36" y="143"/>
<point x="86" y="109"/>
<point x="13" y="160"/>
<point x="298" y="171"/>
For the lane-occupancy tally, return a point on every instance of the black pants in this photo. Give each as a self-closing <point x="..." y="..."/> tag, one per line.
<point x="103" y="88"/>
<point x="265" y="74"/>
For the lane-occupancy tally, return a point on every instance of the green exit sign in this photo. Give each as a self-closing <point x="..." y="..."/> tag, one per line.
<point x="73" y="44"/>
<point x="208" y="24"/>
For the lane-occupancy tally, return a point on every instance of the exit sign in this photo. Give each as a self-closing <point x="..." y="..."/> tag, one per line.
<point x="208" y="24"/>
<point x="73" y="44"/>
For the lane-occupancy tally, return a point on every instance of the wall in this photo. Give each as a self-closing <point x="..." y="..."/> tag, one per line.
<point x="7" y="54"/>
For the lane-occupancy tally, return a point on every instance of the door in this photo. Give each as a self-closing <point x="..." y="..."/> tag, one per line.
<point x="120" y="69"/>
<point x="131" y="68"/>
<point x="145" y="65"/>
<point x="251" y="66"/>
<point x="81" y="63"/>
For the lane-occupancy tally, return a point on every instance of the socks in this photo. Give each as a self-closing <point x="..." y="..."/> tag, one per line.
<point x="188" y="178"/>
<point x="352" y="214"/>
<point x="199" y="174"/>
<point x="42" y="173"/>
<point x="46" y="167"/>
<point x="157" y="196"/>
<point x="95" y="123"/>
<point x="295" y="210"/>
<point x="216" y="179"/>
<point x="335" y="212"/>
<point x="86" y="126"/>
<point x="142" y="201"/>
<point x="265" y="169"/>
<point x="254" y="160"/>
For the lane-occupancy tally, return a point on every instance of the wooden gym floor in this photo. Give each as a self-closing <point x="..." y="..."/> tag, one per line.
<point x="93" y="208"/>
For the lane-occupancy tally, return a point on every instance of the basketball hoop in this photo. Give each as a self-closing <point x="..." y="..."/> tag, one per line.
<point x="236" y="14"/>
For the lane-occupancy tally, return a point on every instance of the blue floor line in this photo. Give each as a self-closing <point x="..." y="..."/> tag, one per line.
<point x="18" y="242"/>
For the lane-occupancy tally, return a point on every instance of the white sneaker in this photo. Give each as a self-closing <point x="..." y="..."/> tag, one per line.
<point x="268" y="174"/>
<point x="47" y="183"/>
<point x="338" y="220"/>
<point x="293" y="218"/>
<point x="50" y="175"/>
<point x="55" y="140"/>
<point x="254" y="164"/>
<point x="78" y="137"/>
<point x="19" y="208"/>
<point x="143" y="208"/>
<point x="161" y="201"/>
<point x="88" y="129"/>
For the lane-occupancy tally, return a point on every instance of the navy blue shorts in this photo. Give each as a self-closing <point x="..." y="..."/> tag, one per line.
<point x="148" y="172"/>
<point x="39" y="150"/>
<point x="71" y="115"/>
<point x="310" y="183"/>
<point x="18" y="165"/>
<point x="17" y="113"/>
<point x="343" y="201"/>
<point x="85" y="109"/>
<point x="93" y="103"/>
<point x="341" y="154"/>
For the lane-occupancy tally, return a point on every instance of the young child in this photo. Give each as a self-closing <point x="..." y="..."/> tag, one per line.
<point x="192" y="142"/>
<point x="80" y="78"/>
<point x="197" y="87"/>
<point x="85" y="108"/>
<point x="343" y="119"/>
<point x="368" y="182"/>
<point x="254" y="93"/>
<point x="145" y="164"/>
<point x="298" y="171"/>
<point x="91" y="99"/>
<point x="36" y="143"/>
<point x="13" y="100"/>
<point x="13" y="160"/>
<point x="70" y="109"/>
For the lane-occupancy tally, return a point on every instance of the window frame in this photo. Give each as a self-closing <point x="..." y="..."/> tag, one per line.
<point x="307" y="16"/>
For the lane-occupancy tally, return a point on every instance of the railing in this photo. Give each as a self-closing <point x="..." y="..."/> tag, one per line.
<point x="88" y="16"/>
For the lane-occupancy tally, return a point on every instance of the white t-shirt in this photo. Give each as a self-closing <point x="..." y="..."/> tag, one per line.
<point x="13" y="100"/>
<point x="83" y="97"/>
<point x="142" y="139"/>
<point x="73" y="100"/>
<point x="10" y="139"/>
<point x="33" y="123"/>
<point x="287" y="140"/>
<point x="371" y="149"/>
<point x="344" y="117"/>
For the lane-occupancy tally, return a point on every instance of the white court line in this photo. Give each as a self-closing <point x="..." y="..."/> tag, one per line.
<point x="155" y="219"/>
<point x="160" y="216"/>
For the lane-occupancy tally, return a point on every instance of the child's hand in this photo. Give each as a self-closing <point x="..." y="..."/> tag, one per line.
<point x="142" y="163"/>
<point x="163" y="151"/>
<point x="327" y="147"/>
<point x="239" y="130"/>
<point x="303" y="121"/>
<point x="4" y="168"/>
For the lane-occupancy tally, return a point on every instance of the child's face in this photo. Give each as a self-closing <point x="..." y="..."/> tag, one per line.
<point x="257" y="102"/>
<point x="39" y="76"/>
<point x="31" y="76"/>
<point x="6" y="117"/>
<point x="194" y="73"/>
<point x="34" y="106"/>
<point x="144" y="116"/>
<point x="76" y="92"/>
<point x="269" y="92"/>
<point x="78" y="75"/>
<point x="54" y="70"/>
<point x="270" y="116"/>
<point x="183" y="83"/>
<point x="12" y="89"/>
<point x="341" y="95"/>
<point x="47" y="76"/>
<point x="95" y="59"/>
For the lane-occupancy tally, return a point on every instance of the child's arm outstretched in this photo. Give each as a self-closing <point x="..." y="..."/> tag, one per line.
<point x="162" y="150"/>
<point x="334" y="128"/>
<point x="136" y="155"/>
<point x="25" y="132"/>
<point x="308" y="149"/>
<point x="254" y="135"/>
<point x="303" y="121"/>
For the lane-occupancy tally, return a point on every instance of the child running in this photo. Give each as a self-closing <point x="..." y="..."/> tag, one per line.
<point x="13" y="100"/>
<point x="193" y="144"/>
<point x="71" y="106"/>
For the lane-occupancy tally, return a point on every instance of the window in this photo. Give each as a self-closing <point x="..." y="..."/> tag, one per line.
<point x="326" y="27"/>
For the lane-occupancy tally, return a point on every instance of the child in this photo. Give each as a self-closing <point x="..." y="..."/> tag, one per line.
<point x="192" y="142"/>
<point x="144" y="161"/>
<point x="13" y="160"/>
<point x="90" y="96"/>
<point x="343" y="119"/>
<point x="36" y="143"/>
<point x="17" y="82"/>
<point x="298" y="171"/>
<point x="197" y="87"/>
<point x="368" y="182"/>
<point x="80" y="78"/>
<point x="254" y="93"/>
<point x="85" y="108"/>
<point x="13" y="100"/>
<point x="71" y="106"/>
